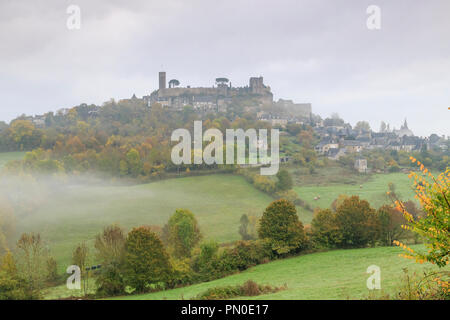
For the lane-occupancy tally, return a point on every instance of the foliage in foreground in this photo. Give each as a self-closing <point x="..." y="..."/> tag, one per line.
<point x="434" y="228"/>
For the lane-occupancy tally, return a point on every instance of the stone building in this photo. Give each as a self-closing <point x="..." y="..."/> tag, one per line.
<point x="215" y="98"/>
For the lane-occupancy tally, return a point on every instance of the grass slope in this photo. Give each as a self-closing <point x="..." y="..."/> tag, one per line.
<point x="339" y="274"/>
<point x="218" y="201"/>
<point x="374" y="190"/>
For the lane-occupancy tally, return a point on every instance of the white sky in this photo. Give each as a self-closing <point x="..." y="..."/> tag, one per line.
<point x="310" y="51"/>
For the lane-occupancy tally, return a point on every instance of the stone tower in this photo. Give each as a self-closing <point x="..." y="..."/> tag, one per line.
<point x="162" y="80"/>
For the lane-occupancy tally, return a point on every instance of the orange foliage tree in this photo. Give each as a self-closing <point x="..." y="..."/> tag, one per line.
<point x="433" y="194"/>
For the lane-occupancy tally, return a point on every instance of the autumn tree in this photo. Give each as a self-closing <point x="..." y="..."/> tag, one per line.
<point x="183" y="233"/>
<point x="357" y="223"/>
<point x="433" y="194"/>
<point x="31" y="263"/>
<point x="147" y="262"/>
<point x="391" y="221"/>
<point x="12" y="286"/>
<point x="281" y="226"/>
<point x="110" y="252"/>
<point x="134" y="162"/>
<point x="80" y="258"/>
<point x="338" y="201"/>
<point x="24" y="134"/>
<point x="325" y="232"/>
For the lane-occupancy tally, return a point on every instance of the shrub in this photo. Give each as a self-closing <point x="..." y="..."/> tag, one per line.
<point x="243" y="255"/>
<point x="52" y="270"/>
<point x="182" y="273"/>
<point x="206" y="262"/>
<point x="284" y="182"/>
<point x="248" y="289"/>
<point x="264" y="184"/>
<point x="12" y="286"/>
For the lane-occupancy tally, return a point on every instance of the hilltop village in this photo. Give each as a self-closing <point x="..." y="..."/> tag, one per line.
<point x="335" y="137"/>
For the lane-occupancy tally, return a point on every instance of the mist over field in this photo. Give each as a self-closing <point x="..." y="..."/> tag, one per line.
<point x="67" y="210"/>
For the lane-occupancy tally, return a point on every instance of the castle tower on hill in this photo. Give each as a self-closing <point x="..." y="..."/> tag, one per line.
<point x="214" y="98"/>
<point x="162" y="80"/>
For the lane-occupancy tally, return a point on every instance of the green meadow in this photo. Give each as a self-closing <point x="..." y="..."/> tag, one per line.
<point x="79" y="213"/>
<point x="373" y="190"/>
<point x="338" y="274"/>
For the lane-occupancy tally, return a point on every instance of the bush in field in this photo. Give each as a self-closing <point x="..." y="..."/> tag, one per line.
<point x="357" y="223"/>
<point x="52" y="270"/>
<point x="146" y="260"/>
<point x="280" y="225"/>
<point x="248" y="289"/>
<point x="110" y="252"/>
<point x="205" y="263"/>
<point x="264" y="183"/>
<point x="324" y="230"/>
<point x="183" y="233"/>
<point x="284" y="180"/>
<point x="182" y="273"/>
<point x="244" y="255"/>
<point x="289" y="195"/>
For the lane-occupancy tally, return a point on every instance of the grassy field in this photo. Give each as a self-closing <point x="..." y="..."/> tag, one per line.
<point x="373" y="189"/>
<point x="339" y="274"/>
<point x="78" y="214"/>
<point x="9" y="156"/>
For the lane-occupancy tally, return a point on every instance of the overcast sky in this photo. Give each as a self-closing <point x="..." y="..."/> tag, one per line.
<point x="310" y="51"/>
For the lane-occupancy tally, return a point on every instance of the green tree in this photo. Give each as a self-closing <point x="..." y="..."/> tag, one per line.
<point x="12" y="287"/>
<point x="147" y="263"/>
<point x="31" y="263"/>
<point x="357" y="223"/>
<point x="110" y="251"/>
<point x="325" y="233"/>
<point x="183" y="233"/>
<point x="80" y="258"/>
<point x="134" y="162"/>
<point x="280" y="225"/>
